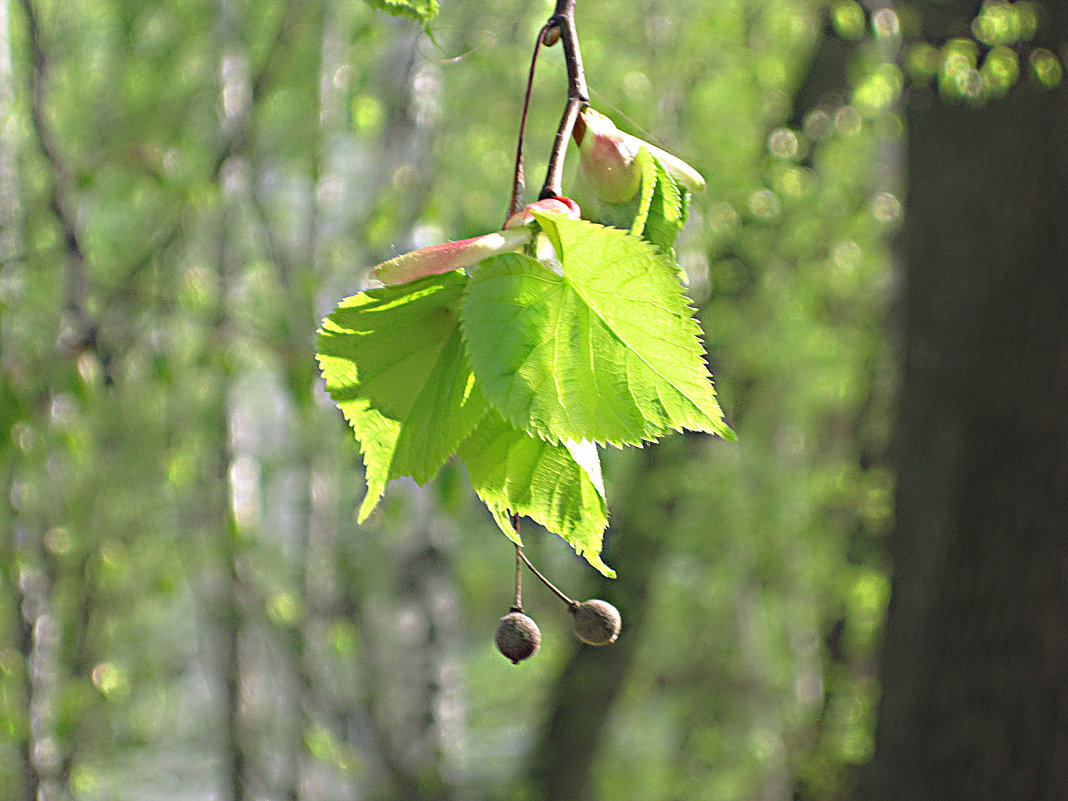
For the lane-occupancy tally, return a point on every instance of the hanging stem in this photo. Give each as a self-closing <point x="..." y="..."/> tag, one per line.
<point x="521" y="558"/>
<point x="518" y="181"/>
<point x="545" y="581"/>
<point x="578" y="95"/>
<point x="517" y="605"/>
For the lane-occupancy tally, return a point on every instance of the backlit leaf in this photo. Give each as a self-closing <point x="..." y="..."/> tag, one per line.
<point x="394" y="362"/>
<point x="514" y="471"/>
<point x="609" y="351"/>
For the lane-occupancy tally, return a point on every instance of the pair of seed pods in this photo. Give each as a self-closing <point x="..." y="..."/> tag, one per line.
<point x="595" y="622"/>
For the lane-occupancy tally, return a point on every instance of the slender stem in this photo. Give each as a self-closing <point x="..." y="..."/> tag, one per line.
<point x="545" y="581"/>
<point x="518" y="605"/>
<point x="578" y="95"/>
<point x="555" y="172"/>
<point x="564" y="17"/>
<point x="518" y="181"/>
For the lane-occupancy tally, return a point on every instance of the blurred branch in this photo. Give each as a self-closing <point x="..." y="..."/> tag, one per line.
<point x="167" y="234"/>
<point x="264" y="77"/>
<point x="57" y="203"/>
<point x="23" y="631"/>
<point x="263" y="218"/>
<point x="260" y="83"/>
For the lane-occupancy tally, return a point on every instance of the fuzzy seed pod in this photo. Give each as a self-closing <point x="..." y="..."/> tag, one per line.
<point x="518" y="637"/>
<point x="596" y="622"/>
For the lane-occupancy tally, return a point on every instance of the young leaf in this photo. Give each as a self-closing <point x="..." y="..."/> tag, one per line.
<point x="511" y="470"/>
<point x="608" y="352"/>
<point x="394" y="362"/>
<point x="663" y="209"/>
<point x="650" y="179"/>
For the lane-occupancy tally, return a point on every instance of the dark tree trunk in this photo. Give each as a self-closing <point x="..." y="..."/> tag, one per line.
<point x="975" y="667"/>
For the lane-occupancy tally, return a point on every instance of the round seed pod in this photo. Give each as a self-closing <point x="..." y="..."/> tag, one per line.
<point x="596" y="622"/>
<point x="518" y="636"/>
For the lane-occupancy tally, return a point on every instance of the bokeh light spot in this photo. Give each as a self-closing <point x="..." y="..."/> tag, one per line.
<point x="764" y="204"/>
<point x="58" y="541"/>
<point x="886" y="207"/>
<point x="722" y="217"/>
<point x="818" y="125"/>
<point x="782" y="143"/>
<point x="885" y="22"/>
<point x="111" y="680"/>
<point x="1046" y="68"/>
<point x="848" y="121"/>
<point x="922" y="62"/>
<point x="849" y="20"/>
<point x="997" y="24"/>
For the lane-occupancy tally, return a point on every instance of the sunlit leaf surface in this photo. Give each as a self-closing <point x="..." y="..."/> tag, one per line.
<point x="608" y="352"/>
<point x="393" y="361"/>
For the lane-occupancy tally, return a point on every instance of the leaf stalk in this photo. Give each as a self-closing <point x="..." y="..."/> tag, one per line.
<point x="570" y="603"/>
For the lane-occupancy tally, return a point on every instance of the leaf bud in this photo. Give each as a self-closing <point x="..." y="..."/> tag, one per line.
<point x="608" y="161"/>
<point x="551" y="35"/>
<point x="607" y="157"/>
<point x="551" y="205"/>
<point x="437" y="259"/>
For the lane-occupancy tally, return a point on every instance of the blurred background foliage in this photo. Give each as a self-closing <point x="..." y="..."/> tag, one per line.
<point x="187" y="607"/>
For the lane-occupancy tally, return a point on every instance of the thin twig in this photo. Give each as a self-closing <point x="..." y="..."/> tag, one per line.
<point x="578" y="95"/>
<point x="545" y="581"/>
<point x="77" y="284"/>
<point x="518" y="180"/>
<point x="517" y="606"/>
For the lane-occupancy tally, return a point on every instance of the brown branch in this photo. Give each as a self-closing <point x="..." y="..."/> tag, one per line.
<point x="23" y="636"/>
<point x="578" y="94"/>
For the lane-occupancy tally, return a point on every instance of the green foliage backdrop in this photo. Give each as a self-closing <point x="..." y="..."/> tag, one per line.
<point x="188" y="608"/>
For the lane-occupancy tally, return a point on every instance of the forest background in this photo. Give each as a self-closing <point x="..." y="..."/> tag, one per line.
<point x="188" y="609"/>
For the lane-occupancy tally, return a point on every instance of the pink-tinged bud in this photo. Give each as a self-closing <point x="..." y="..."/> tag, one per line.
<point x="551" y="205"/>
<point x="607" y="157"/>
<point x="608" y="160"/>
<point x="448" y="256"/>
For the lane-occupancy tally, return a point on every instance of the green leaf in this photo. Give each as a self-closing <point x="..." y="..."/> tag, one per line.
<point x="422" y="10"/>
<point x="394" y="362"/>
<point x="556" y="485"/>
<point x="645" y="196"/>
<point x="662" y="216"/>
<point x="608" y="352"/>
